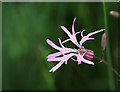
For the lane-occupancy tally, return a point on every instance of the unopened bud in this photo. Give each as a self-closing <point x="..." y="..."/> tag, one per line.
<point x="114" y="14"/>
<point x="103" y="41"/>
<point x="89" y="55"/>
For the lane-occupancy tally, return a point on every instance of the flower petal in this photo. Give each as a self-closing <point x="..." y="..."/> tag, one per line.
<point x="77" y="33"/>
<point x="54" y="59"/>
<point x="79" y="58"/>
<point x="63" y="59"/>
<point x="61" y="43"/>
<point x="54" y="54"/>
<point x="73" y="31"/>
<point x="87" y="61"/>
<point x="95" y="32"/>
<point x="74" y="40"/>
<point x="66" y="40"/>
<point x="52" y="44"/>
<point x="85" y="38"/>
<point x="57" y="66"/>
<point x="82" y="33"/>
<point x="66" y="31"/>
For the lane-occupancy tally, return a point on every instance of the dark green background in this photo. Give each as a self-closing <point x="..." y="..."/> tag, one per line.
<point x="26" y="26"/>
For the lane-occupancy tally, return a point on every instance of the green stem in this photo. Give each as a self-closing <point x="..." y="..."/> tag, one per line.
<point x="110" y="74"/>
<point x="116" y="72"/>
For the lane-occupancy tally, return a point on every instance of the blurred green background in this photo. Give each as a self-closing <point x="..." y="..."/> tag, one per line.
<point x="26" y="26"/>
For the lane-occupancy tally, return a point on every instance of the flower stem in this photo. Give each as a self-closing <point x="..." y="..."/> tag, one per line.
<point x="116" y="72"/>
<point x="110" y="74"/>
<point x="102" y="60"/>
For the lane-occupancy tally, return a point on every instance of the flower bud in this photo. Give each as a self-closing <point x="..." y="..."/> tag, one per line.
<point x="89" y="55"/>
<point x="103" y="41"/>
<point x="114" y="14"/>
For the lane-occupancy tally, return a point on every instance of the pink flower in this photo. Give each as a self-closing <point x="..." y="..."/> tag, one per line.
<point x="64" y="53"/>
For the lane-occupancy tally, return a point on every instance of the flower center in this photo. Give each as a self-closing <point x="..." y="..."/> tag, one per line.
<point x="89" y="54"/>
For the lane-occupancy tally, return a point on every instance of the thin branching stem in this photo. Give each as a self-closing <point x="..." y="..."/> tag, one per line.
<point x="114" y="70"/>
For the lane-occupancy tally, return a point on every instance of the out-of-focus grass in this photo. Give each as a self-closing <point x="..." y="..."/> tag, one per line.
<point x="106" y="8"/>
<point x="108" y="52"/>
<point x="26" y="26"/>
<point x="1" y="45"/>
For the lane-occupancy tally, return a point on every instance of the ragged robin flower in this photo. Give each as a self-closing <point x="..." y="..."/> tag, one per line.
<point x="64" y="54"/>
